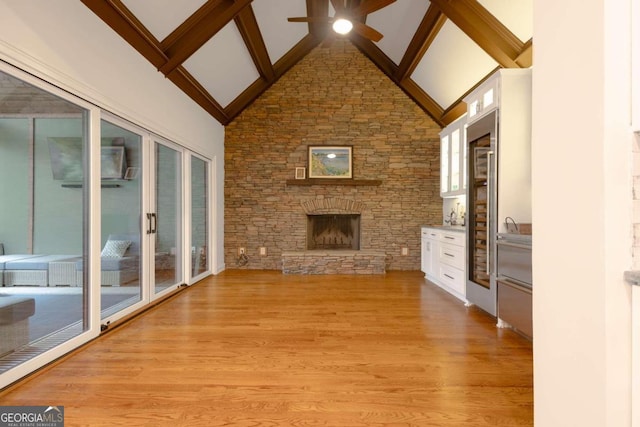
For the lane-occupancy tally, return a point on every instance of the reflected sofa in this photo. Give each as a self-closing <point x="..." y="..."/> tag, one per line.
<point x="14" y="322"/>
<point x="118" y="267"/>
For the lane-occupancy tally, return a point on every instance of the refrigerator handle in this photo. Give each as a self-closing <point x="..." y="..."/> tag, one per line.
<point x="489" y="209"/>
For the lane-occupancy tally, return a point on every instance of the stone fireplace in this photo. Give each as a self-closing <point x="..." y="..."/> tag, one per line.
<point x="333" y="231"/>
<point x="334" y="241"/>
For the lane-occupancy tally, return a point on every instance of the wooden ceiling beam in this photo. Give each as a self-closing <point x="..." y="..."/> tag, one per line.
<point x="116" y="15"/>
<point x="459" y="107"/>
<point x="185" y="40"/>
<point x="295" y="54"/>
<point x="525" y="59"/>
<point x="374" y="53"/>
<point x="318" y="8"/>
<point x="388" y="67"/>
<point x="188" y="84"/>
<point x="299" y="51"/>
<point x="484" y="29"/>
<point x="250" y="31"/>
<point x="453" y="112"/>
<point x="427" y="31"/>
<point x="421" y="98"/>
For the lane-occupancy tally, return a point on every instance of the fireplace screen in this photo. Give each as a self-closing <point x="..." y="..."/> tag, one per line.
<point x="333" y="232"/>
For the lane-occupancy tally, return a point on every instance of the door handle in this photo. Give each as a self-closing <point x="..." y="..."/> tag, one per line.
<point x="154" y="223"/>
<point x="149" y="223"/>
<point x="490" y="213"/>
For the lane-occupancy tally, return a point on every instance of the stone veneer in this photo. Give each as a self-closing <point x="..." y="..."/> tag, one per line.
<point x="334" y="262"/>
<point x="334" y="96"/>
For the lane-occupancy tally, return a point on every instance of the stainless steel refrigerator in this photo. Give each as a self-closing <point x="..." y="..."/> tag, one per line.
<point x="499" y="173"/>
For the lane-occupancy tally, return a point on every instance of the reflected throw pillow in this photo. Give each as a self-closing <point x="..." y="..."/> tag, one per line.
<point x="115" y="248"/>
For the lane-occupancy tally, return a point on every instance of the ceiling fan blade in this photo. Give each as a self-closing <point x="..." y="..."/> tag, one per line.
<point x="371" y="6"/>
<point x="328" y="41"/>
<point x="338" y="6"/>
<point x="324" y="19"/>
<point x="366" y="31"/>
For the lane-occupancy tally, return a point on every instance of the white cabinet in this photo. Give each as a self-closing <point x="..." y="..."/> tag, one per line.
<point x="453" y="159"/>
<point x="483" y="100"/>
<point x="443" y="259"/>
<point x="451" y="261"/>
<point x="509" y="143"/>
<point x="430" y="251"/>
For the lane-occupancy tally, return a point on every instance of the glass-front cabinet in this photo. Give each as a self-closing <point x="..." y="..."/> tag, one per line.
<point x="453" y="159"/>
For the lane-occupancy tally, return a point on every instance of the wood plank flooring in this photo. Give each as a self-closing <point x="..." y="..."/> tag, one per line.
<point x="259" y="348"/>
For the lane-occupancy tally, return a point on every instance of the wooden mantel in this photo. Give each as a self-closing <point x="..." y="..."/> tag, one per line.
<point x="329" y="181"/>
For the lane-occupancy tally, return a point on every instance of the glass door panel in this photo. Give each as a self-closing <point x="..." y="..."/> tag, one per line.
<point x="43" y="213"/>
<point x="121" y="189"/>
<point x="199" y="216"/>
<point x="455" y="160"/>
<point x="165" y="222"/>
<point x="444" y="165"/>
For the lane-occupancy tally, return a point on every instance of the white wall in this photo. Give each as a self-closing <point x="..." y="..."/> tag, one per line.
<point x="65" y="43"/>
<point x="581" y="213"/>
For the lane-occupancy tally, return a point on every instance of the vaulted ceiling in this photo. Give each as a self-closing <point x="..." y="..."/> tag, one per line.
<point x="226" y="53"/>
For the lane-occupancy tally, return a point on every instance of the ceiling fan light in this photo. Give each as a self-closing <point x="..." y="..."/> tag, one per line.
<point x="342" y="26"/>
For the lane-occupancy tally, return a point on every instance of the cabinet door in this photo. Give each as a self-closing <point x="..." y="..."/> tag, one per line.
<point x="444" y="165"/>
<point x="456" y="175"/>
<point x="425" y="255"/>
<point x="453" y="176"/>
<point x="483" y="99"/>
<point x="433" y="263"/>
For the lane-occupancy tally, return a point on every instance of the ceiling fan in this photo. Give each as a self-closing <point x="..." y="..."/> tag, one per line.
<point x="348" y="18"/>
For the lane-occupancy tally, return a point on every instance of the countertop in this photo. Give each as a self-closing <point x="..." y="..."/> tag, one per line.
<point x="524" y="239"/>
<point x="458" y="228"/>
<point x="632" y="277"/>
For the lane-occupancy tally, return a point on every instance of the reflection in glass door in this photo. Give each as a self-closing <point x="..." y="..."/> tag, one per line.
<point x="165" y="221"/>
<point x="199" y="216"/>
<point x="121" y="189"/>
<point x="43" y="222"/>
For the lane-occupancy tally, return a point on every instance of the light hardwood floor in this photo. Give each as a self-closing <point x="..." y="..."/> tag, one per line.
<point x="258" y="348"/>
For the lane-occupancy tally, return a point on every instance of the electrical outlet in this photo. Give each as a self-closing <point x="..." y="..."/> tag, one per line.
<point x="263" y="251"/>
<point x="405" y="251"/>
<point x="241" y="251"/>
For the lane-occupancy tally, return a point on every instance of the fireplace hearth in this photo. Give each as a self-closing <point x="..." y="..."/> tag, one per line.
<point x="333" y="231"/>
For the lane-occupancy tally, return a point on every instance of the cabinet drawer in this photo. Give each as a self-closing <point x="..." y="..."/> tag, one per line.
<point x="451" y="255"/>
<point x="515" y="306"/>
<point x="453" y="238"/>
<point x="430" y="233"/>
<point x="452" y="278"/>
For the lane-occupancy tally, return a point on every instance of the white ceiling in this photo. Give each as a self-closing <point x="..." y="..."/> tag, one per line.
<point x="451" y="66"/>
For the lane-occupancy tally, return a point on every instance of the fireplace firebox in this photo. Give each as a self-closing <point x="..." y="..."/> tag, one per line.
<point x="333" y="231"/>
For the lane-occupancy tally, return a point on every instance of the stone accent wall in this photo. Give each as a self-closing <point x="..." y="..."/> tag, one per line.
<point x="334" y="262"/>
<point x="334" y="96"/>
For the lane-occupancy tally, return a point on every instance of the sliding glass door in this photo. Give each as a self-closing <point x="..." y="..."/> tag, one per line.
<point x="164" y="224"/>
<point x="141" y="218"/>
<point x="92" y="225"/>
<point x="44" y="142"/>
<point x="199" y="216"/>
<point x="120" y="238"/>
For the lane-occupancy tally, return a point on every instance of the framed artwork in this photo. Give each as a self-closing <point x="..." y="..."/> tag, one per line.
<point x="330" y="162"/>
<point x="66" y="155"/>
<point x="300" y="173"/>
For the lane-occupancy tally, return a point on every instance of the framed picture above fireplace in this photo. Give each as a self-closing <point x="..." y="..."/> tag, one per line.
<point x="330" y="161"/>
